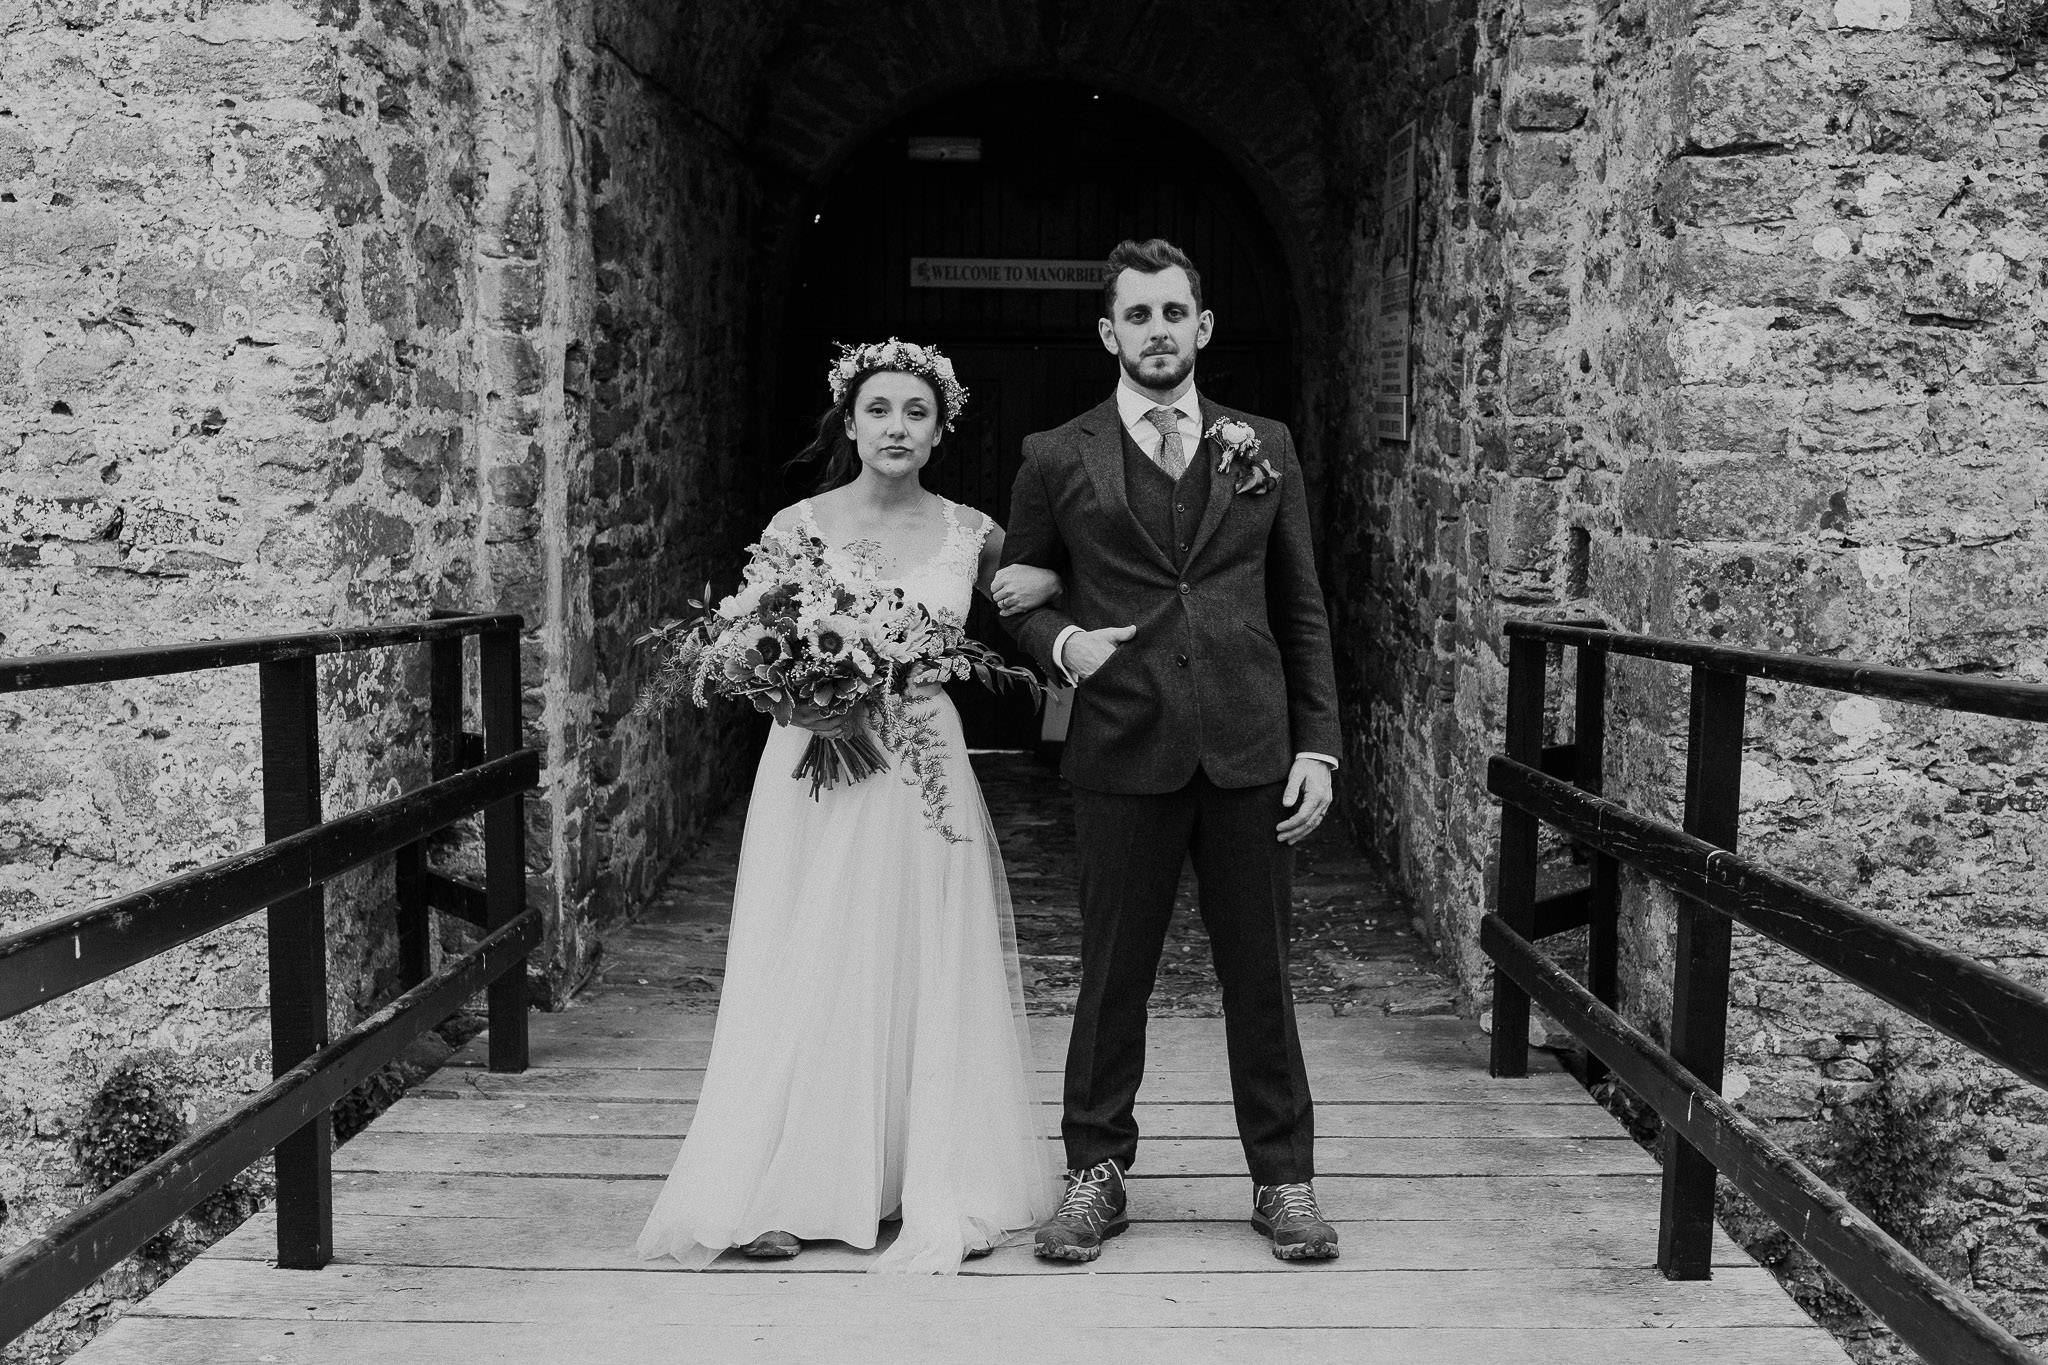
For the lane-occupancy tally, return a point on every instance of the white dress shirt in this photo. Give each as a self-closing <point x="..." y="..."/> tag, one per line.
<point x="1132" y="407"/>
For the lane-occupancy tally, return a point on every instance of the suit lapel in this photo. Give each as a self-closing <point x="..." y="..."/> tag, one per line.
<point x="1102" y="452"/>
<point x="1222" y="485"/>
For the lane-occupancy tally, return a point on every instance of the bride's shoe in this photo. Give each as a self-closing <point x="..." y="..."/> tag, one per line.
<point x="772" y="1246"/>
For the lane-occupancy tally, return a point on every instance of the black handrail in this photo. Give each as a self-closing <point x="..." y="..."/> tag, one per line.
<point x="487" y="775"/>
<point x="1949" y="691"/>
<point x="113" y="665"/>
<point x="2003" y="1019"/>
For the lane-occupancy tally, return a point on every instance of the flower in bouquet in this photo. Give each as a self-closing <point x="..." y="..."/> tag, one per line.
<point x="802" y="631"/>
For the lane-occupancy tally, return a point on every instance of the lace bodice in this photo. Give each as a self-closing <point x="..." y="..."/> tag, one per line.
<point x="944" y="582"/>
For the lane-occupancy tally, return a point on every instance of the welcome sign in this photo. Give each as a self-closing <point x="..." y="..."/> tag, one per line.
<point x="964" y="272"/>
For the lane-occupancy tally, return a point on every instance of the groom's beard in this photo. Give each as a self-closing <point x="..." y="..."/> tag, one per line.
<point x="1183" y="366"/>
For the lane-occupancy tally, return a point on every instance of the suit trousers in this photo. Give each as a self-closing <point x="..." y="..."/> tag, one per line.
<point x="1132" y="849"/>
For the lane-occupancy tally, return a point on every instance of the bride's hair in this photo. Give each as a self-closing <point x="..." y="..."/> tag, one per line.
<point x="835" y="450"/>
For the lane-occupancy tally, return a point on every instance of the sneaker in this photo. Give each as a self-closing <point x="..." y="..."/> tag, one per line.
<point x="1288" y="1215"/>
<point x="1092" y="1210"/>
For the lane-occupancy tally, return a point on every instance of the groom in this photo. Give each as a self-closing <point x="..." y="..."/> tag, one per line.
<point x="1204" y="726"/>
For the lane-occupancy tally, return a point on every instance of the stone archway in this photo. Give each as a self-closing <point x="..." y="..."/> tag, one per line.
<point x="705" y="137"/>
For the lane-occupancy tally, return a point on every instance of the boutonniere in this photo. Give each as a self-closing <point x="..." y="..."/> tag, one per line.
<point x="1240" y="446"/>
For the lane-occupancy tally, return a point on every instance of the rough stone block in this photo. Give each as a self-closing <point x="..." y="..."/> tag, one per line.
<point x="25" y="517"/>
<point x="1752" y="500"/>
<point x="437" y="258"/>
<point x="1978" y="604"/>
<point x="516" y="364"/>
<point x="1539" y="162"/>
<point x="1723" y="191"/>
<point x="1748" y="97"/>
<point x="1651" y="490"/>
<point x="363" y="535"/>
<point x="1541" y="110"/>
<point x="514" y="486"/>
<point x="1538" y="449"/>
<point x="1524" y="525"/>
<point x="509" y="295"/>
<point x="1755" y="419"/>
<point x="349" y="189"/>
<point x="1547" y="52"/>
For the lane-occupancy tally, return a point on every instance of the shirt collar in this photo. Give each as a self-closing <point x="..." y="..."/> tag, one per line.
<point x="1131" y="406"/>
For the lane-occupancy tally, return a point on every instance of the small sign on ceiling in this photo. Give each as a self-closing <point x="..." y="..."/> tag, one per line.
<point x="963" y="272"/>
<point x="945" y="149"/>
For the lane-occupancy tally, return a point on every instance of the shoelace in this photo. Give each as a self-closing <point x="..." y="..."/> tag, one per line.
<point x="1088" y="1194"/>
<point x="1293" y="1201"/>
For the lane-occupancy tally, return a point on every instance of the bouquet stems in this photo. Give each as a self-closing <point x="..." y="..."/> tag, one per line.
<point x="828" y="762"/>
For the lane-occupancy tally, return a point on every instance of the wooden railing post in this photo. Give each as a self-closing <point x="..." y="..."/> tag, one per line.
<point x="1603" y="927"/>
<point x="444" y="747"/>
<point x="298" y="957"/>
<point x="504" y="843"/>
<point x="1515" y="886"/>
<point x="1699" y="998"/>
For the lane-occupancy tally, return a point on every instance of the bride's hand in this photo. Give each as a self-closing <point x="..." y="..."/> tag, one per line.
<point x="822" y="725"/>
<point x="1023" y="587"/>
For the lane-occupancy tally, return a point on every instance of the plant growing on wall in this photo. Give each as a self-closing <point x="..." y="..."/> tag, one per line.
<point x="128" y="1123"/>
<point x="1893" y="1149"/>
<point x="2016" y="28"/>
<point x="1892" y="1145"/>
<point x="133" y="1118"/>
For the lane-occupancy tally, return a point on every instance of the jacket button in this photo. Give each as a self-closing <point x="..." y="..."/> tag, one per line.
<point x="1185" y="590"/>
<point x="1180" y="661"/>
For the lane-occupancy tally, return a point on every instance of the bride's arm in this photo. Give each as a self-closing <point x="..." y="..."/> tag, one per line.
<point x="1020" y="587"/>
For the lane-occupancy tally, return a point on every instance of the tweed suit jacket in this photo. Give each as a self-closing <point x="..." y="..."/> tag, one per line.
<point x="1230" y="669"/>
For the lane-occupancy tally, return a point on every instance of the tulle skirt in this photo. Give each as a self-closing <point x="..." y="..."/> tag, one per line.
<point x="870" y="1060"/>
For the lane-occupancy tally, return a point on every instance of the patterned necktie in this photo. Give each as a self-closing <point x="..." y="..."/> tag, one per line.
<point x="1172" y="456"/>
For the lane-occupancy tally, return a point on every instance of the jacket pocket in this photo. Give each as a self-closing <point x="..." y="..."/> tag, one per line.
<point x="1109" y="665"/>
<point x="1261" y="632"/>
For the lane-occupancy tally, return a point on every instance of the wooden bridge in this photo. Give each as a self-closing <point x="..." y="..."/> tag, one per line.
<point x="491" y="1217"/>
<point x="1489" y="1210"/>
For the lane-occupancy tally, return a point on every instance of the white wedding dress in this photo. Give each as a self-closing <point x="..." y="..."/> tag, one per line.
<point x="870" y="1060"/>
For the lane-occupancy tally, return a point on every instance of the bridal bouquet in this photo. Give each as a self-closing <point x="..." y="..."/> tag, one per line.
<point x="802" y="632"/>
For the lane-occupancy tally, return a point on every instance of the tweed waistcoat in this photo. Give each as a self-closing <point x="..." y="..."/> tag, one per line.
<point x="1169" y="511"/>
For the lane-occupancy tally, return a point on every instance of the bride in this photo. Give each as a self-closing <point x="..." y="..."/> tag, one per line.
<point x="870" y="1061"/>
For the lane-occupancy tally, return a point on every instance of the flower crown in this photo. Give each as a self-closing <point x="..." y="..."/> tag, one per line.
<point x="904" y="357"/>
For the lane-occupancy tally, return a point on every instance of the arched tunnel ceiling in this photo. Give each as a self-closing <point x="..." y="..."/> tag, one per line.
<point x="799" y="84"/>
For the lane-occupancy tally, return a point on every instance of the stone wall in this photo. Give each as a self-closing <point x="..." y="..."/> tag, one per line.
<point x="1727" y="328"/>
<point x="1854" y="467"/>
<point x="670" y="496"/>
<point x="338" y="312"/>
<point x="231" y="402"/>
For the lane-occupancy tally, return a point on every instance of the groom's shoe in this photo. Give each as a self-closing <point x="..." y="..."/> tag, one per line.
<point x="1093" y="1210"/>
<point x="1288" y="1215"/>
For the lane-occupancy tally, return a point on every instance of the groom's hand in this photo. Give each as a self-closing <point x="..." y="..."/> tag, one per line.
<point x="1309" y="792"/>
<point x="1091" y="649"/>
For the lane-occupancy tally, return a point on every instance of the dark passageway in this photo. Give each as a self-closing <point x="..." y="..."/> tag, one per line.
<point x="940" y="229"/>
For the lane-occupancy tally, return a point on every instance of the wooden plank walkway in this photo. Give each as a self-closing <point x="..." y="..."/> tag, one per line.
<point x="492" y="1218"/>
